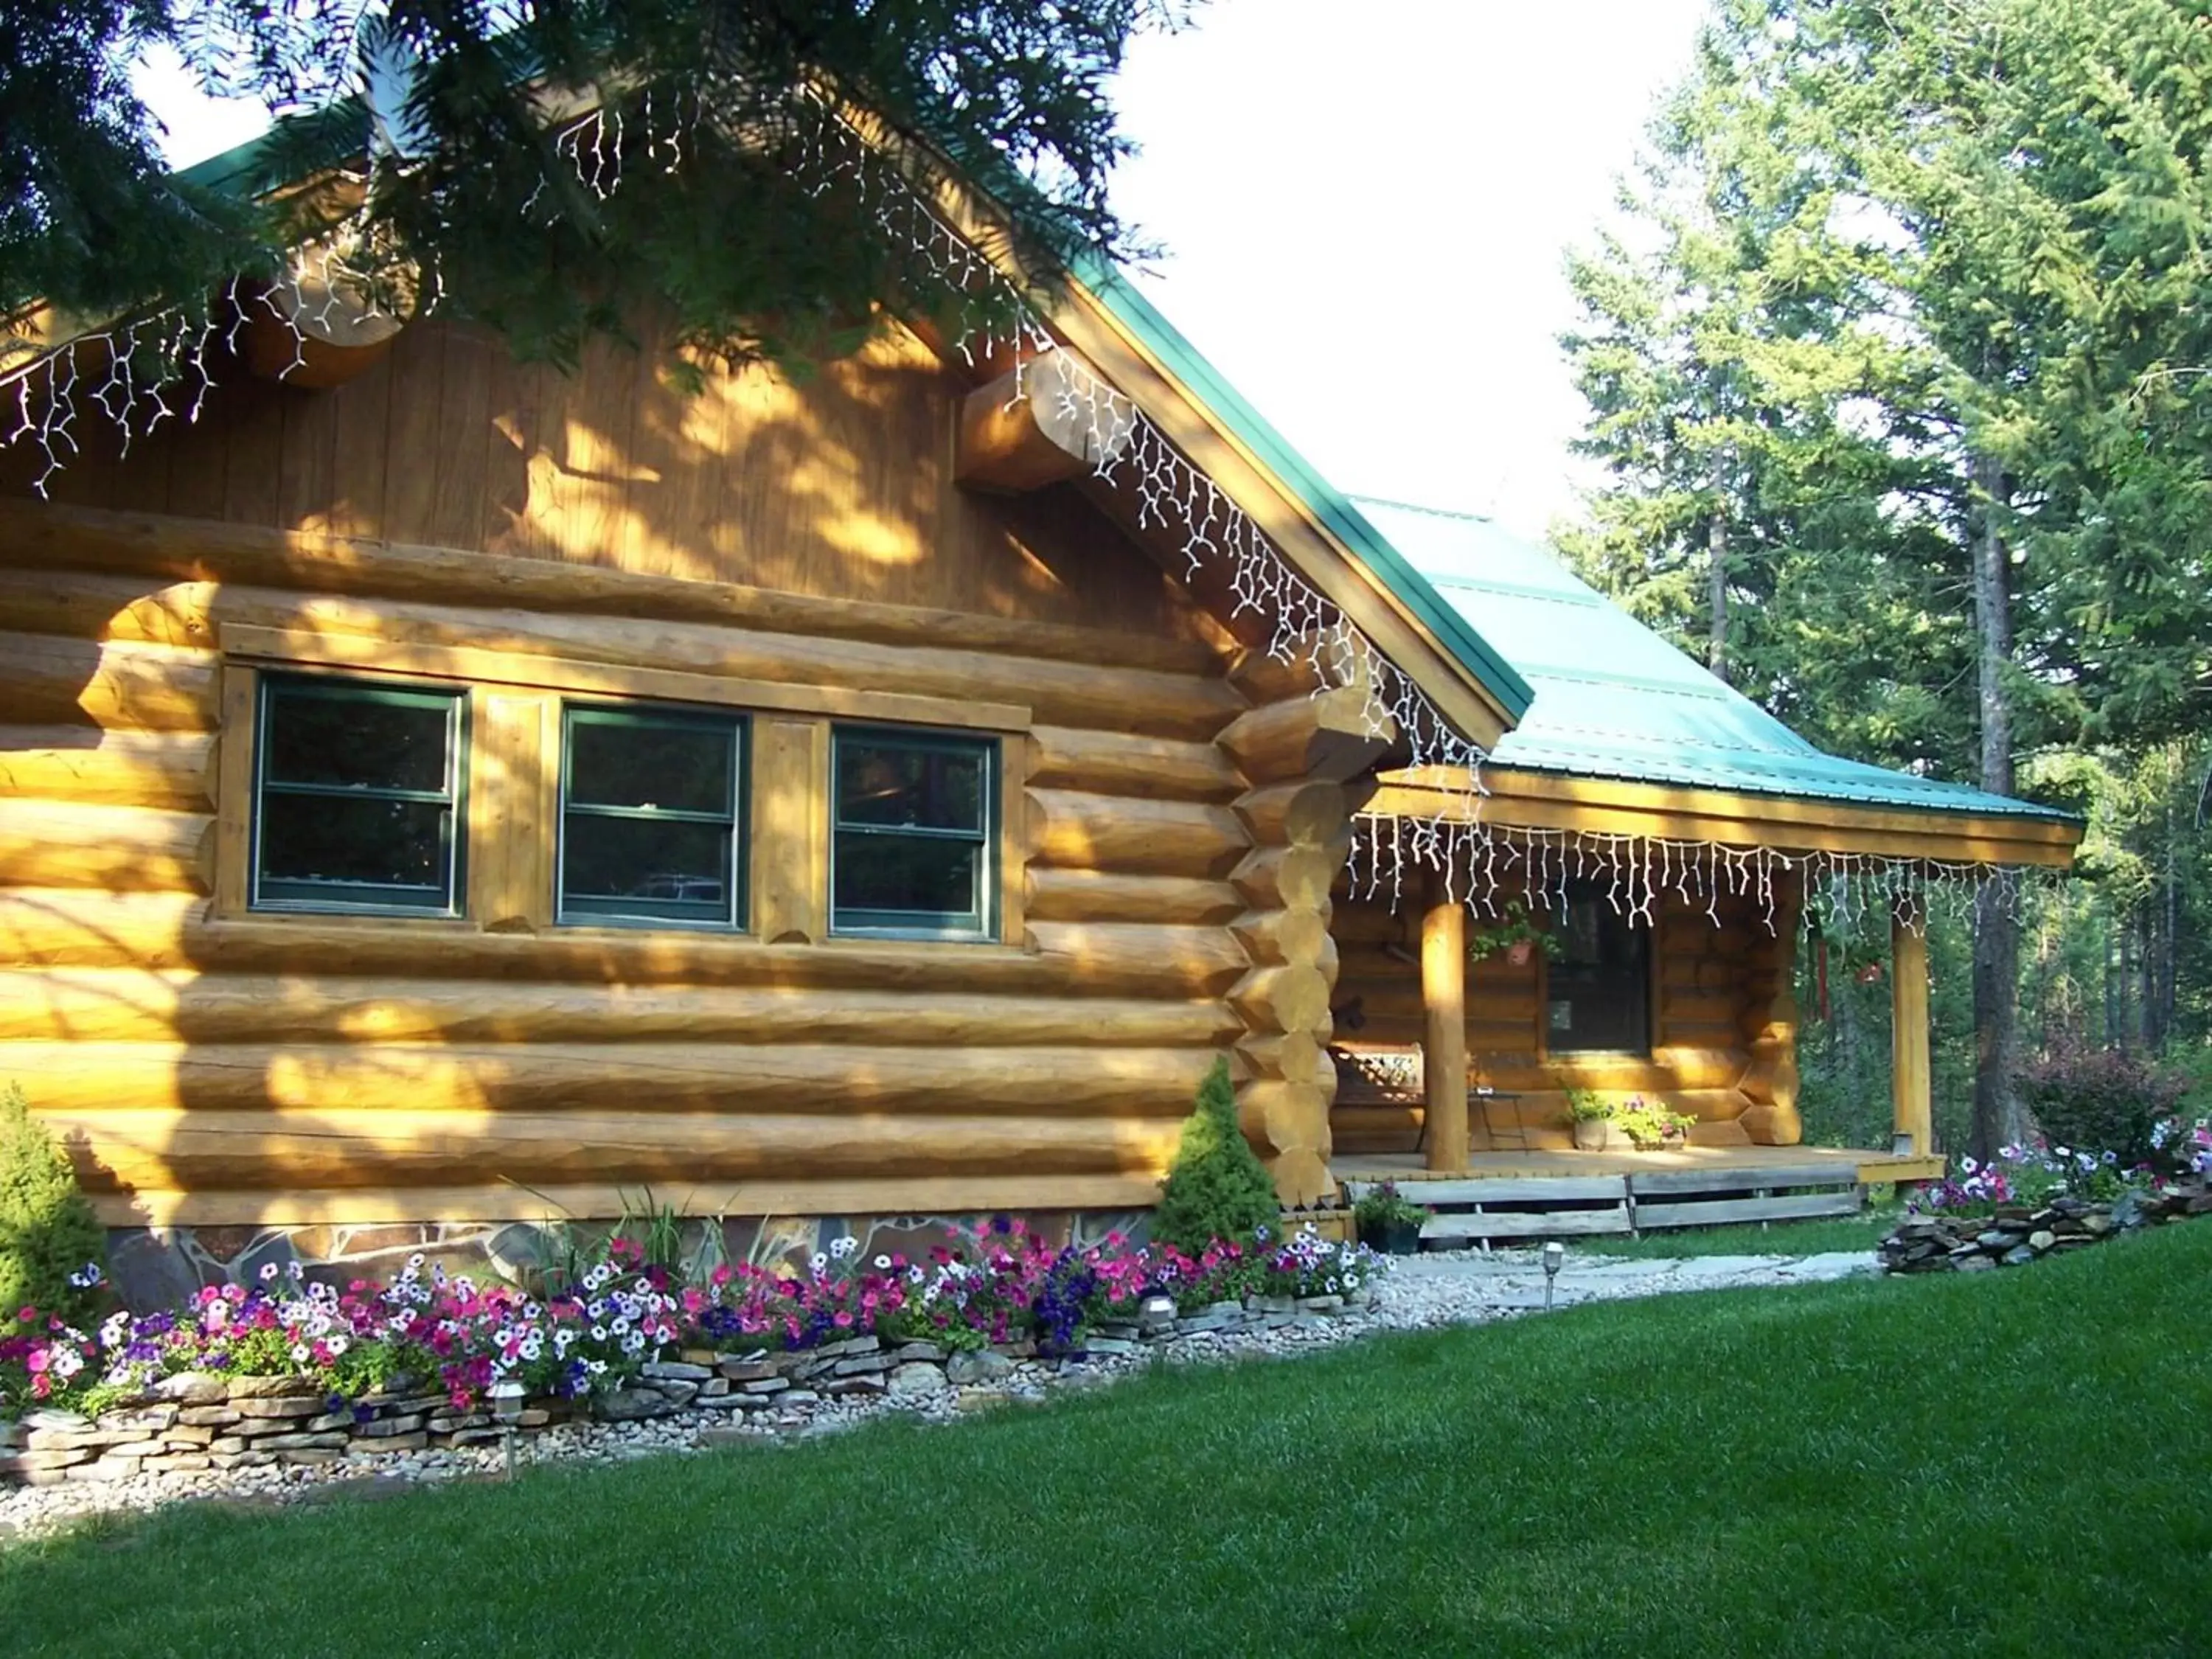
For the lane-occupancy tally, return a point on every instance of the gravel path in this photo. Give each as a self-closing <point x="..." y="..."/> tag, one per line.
<point x="1426" y="1291"/>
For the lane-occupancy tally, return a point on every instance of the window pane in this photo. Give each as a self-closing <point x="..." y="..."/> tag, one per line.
<point x="925" y="876"/>
<point x="353" y="739"/>
<point x="333" y="839"/>
<point x="1600" y="988"/>
<point x="674" y="765"/>
<point x="884" y="782"/>
<point x="646" y="867"/>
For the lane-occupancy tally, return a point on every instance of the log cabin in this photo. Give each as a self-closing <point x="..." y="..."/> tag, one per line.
<point x="438" y="794"/>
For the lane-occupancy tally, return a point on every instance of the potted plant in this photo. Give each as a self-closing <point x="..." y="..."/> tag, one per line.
<point x="1389" y="1221"/>
<point x="1514" y="934"/>
<point x="1591" y="1118"/>
<point x="1652" y="1127"/>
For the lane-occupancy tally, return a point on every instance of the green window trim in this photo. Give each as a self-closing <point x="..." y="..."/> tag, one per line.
<point x="687" y="900"/>
<point x="979" y="921"/>
<point x="446" y="803"/>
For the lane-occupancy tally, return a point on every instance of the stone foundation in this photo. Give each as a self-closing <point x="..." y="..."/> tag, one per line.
<point x="199" y="1421"/>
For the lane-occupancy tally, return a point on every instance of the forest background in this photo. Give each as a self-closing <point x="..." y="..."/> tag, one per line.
<point x="1900" y="365"/>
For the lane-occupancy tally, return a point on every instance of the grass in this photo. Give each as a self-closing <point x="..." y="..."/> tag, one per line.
<point x="1856" y="1232"/>
<point x="2004" y="1463"/>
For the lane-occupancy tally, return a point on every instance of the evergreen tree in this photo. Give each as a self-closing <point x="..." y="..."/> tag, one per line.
<point x="431" y="131"/>
<point x="1218" y="1188"/>
<point x="1951" y="253"/>
<point x="47" y="1229"/>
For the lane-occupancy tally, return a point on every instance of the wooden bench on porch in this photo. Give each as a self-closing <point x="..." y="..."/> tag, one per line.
<point x="1393" y="1075"/>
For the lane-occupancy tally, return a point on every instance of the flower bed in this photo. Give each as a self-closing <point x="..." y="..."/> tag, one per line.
<point x="293" y="1372"/>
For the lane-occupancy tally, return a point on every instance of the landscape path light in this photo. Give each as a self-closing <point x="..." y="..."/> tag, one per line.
<point x="506" y="1411"/>
<point x="1555" y="1257"/>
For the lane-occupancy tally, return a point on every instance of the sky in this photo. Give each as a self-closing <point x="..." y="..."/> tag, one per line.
<point x="1366" y="209"/>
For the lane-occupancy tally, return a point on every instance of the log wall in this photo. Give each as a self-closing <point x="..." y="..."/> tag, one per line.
<point x="1714" y="992"/>
<point x="798" y="550"/>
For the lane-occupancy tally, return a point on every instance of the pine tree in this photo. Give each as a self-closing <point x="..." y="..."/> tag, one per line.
<point x="432" y="131"/>
<point x="47" y="1229"/>
<point x="1218" y="1188"/>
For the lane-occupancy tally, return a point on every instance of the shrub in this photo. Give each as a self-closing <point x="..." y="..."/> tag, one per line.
<point x="48" y="1233"/>
<point x="1218" y="1189"/>
<point x="2101" y="1101"/>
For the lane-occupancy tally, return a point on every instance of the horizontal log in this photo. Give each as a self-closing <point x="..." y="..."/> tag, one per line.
<point x="1041" y="422"/>
<point x="78" y="682"/>
<point x="1722" y="1007"/>
<point x="1069" y="829"/>
<point x="1023" y="1193"/>
<point x="1186" y="706"/>
<point x="1128" y="958"/>
<point x="1274" y="937"/>
<point x="1281" y="1115"/>
<point x="1116" y="763"/>
<point x="1295" y="1055"/>
<point x="1362" y="923"/>
<point x="1101" y="895"/>
<point x="54" y="541"/>
<point x="129" y="1005"/>
<point x="347" y="1147"/>
<point x="108" y="768"/>
<point x="1301" y="665"/>
<point x="1284" y="999"/>
<point x="1386" y="998"/>
<point x="1316" y="815"/>
<point x="1328" y="737"/>
<point x="62" y="928"/>
<point x="1701" y="972"/>
<point x="1287" y="878"/>
<point x="46" y="843"/>
<point x="812" y="1082"/>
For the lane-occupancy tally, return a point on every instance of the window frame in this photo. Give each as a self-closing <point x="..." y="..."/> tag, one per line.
<point x="737" y="726"/>
<point x="455" y="797"/>
<point x="1645" y="988"/>
<point x="977" y="926"/>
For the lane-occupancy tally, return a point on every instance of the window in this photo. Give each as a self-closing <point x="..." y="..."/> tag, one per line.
<point x="357" y="799"/>
<point x="1599" y="986"/>
<point x="652" y="817"/>
<point x="914" y="844"/>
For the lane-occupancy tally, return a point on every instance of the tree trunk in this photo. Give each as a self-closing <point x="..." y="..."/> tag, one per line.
<point x="1716" y="552"/>
<point x="1996" y="928"/>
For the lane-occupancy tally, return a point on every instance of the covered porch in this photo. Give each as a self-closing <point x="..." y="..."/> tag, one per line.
<point x="1670" y="922"/>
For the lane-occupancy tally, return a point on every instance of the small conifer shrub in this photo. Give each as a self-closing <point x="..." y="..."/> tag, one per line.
<point x="1218" y="1188"/>
<point x="48" y="1232"/>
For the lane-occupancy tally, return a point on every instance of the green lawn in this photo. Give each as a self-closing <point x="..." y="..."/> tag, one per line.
<point x="1859" y="1232"/>
<point x="2005" y="1464"/>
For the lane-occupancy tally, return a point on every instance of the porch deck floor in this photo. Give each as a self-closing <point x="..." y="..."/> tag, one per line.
<point x="1872" y="1168"/>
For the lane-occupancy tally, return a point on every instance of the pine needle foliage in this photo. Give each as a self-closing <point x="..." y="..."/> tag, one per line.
<point x="432" y="132"/>
<point x="47" y="1229"/>
<point x="1218" y="1188"/>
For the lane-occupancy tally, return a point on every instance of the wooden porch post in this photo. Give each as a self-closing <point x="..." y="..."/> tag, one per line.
<point x="1443" y="1046"/>
<point x="1911" y="1089"/>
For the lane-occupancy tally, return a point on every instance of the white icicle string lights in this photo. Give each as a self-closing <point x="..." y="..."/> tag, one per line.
<point x="1484" y="865"/>
<point x="133" y="367"/>
<point x="1214" y="533"/>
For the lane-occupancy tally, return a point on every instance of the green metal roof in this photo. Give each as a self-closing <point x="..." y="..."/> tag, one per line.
<point x="1459" y="633"/>
<point x="1614" y="700"/>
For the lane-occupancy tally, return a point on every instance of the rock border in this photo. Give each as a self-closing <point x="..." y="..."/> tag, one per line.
<point x="200" y="1422"/>
<point x="2017" y="1234"/>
